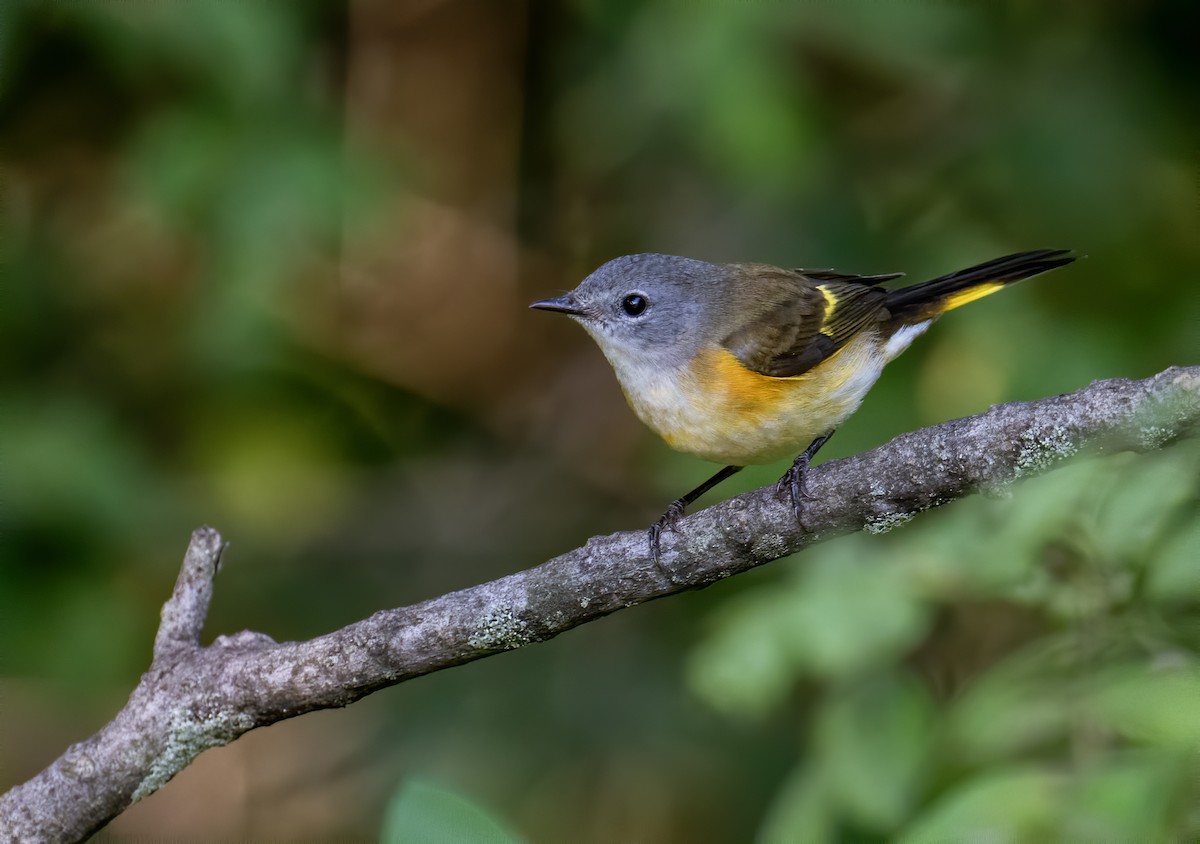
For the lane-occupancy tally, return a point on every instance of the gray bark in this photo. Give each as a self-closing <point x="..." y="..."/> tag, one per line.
<point x="193" y="697"/>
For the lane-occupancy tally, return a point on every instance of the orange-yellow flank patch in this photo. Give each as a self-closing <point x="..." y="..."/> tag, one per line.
<point x="727" y="413"/>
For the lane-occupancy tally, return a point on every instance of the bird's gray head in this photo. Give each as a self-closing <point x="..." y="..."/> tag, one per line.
<point x="652" y="309"/>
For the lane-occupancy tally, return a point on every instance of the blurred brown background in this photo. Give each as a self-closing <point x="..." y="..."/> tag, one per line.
<point x="267" y="267"/>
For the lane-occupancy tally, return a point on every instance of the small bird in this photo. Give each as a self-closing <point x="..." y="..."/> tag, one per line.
<point x="745" y="363"/>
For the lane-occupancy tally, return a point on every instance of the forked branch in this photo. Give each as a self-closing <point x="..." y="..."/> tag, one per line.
<point x="193" y="697"/>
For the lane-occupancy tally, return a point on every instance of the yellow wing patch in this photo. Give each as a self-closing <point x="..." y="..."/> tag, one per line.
<point x="849" y="308"/>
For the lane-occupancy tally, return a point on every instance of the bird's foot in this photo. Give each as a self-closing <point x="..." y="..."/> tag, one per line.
<point x="794" y="486"/>
<point x="667" y="521"/>
<point x="794" y="482"/>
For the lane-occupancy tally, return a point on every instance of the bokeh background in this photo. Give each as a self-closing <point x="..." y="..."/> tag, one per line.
<point x="266" y="267"/>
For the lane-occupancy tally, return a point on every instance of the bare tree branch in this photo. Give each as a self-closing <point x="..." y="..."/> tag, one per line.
<point x="184" y="612"/>
<point x="194" y="697"/>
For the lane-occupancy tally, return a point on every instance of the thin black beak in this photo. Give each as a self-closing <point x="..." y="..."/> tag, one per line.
<point x="563" y="304"/>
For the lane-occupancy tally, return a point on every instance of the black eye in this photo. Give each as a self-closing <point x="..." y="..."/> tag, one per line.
<point x="634" y="304"/>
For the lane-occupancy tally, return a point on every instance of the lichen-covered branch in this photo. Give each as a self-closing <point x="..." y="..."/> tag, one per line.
<point x="194" y="697"/>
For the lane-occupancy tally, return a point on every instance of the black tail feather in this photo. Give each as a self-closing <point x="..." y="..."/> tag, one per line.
<point x="1004" y="270"/>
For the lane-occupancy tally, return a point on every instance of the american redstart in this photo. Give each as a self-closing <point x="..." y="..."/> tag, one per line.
<point x="744" y="363"/>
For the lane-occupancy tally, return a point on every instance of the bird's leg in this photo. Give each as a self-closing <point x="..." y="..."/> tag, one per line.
<point x="793" y="483"/>
<point x="675" y="512"/>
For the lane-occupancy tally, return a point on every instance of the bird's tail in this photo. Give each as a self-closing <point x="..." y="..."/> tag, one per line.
<point x="932" y="298"/>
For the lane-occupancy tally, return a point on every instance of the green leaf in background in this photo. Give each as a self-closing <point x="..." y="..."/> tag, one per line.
<point x="1145" y="497"/>
<point x="744" y="666"/>
<point x="840" y="614"/>
<point x="1159" y="706"/>
<point x="801" y="811"/>
<point x="1128" y="798"/>
<point x="424" y="813"/>
<point x="851" y="612"/>
<point x="874" y="738"/>
<point x="1014" y="804"/>
<point x="1020" y="705"/>
<point x="1174" y="576"/>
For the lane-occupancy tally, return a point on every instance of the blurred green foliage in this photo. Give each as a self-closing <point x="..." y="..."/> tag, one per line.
<point x="266" y="267"/>
<point x="1083" y="728"/>
<point x="422" y="811"/>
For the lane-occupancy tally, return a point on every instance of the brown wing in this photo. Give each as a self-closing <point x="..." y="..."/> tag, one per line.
<point x="805" y="321"/>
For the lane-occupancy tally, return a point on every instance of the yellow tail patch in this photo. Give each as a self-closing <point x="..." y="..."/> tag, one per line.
<point x="962" y="297"/>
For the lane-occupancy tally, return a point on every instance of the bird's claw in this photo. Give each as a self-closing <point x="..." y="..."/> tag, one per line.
<point x="667" y="521"/>
<point x="794" y="485"/>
